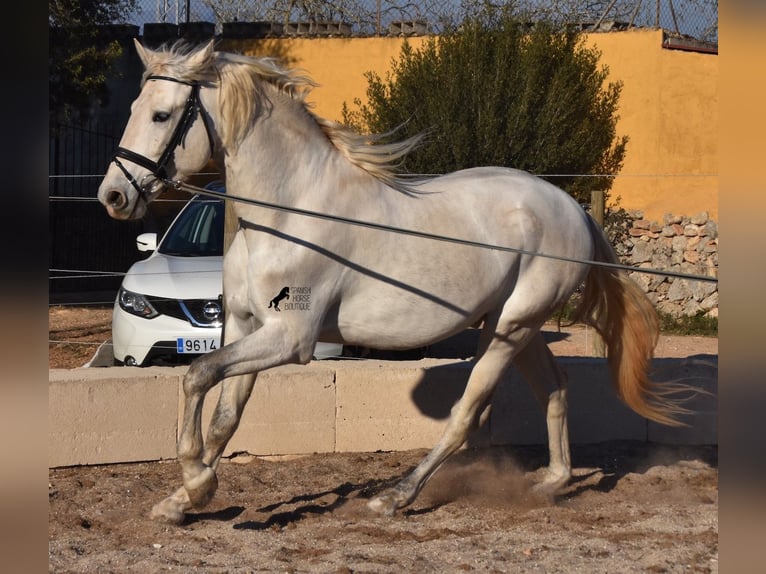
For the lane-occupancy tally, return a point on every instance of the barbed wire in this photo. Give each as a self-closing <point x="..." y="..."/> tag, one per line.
<point x="66" y="198"/>
<point x="694" y="18"/>
<point x="77" y="199"/>
<point x="78" y="303"/>
<point x="101" y="175"/>
<point x="85" y="274"/>
<point x="417" y="175"/>
<point x="84" y="343"/>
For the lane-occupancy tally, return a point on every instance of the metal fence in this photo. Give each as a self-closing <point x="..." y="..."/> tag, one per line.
<point x="697" y="19"/>
<point x="78" y="228"/>
<point x="87" y="250"/>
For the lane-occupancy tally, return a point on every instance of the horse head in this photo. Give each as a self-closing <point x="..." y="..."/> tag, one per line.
<point x="169" y="135"/>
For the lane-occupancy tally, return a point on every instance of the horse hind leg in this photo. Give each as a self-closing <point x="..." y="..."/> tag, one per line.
<point x="493" y="359"/>
<point x="538" y="366"/>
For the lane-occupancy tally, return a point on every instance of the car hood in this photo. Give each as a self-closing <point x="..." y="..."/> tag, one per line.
<point x="176" y="277"/>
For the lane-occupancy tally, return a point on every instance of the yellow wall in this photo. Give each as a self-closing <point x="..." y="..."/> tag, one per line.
<point x="338" y="65"/>
<point x="668" y="108"/>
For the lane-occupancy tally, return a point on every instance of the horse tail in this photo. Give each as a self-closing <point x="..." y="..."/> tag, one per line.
<point x="616" y="307"/>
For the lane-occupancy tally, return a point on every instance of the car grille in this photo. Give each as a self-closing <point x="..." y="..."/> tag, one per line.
<point x="194" y="310"/>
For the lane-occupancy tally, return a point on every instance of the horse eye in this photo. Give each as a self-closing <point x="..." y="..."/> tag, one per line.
<point x="160" y="117"/>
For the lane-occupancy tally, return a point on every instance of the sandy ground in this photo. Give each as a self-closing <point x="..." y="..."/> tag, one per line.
<point x="631" y="507"/>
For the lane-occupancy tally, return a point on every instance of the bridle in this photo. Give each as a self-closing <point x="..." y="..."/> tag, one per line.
<point x="158" y="168"/>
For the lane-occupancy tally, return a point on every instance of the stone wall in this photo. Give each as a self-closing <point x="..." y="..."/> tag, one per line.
<point x="681" y="244"/>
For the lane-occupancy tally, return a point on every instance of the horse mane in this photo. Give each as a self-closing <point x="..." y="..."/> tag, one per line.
<point x="241" y="98"/>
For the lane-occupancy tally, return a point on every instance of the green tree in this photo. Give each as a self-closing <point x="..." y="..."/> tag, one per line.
<point x="79" y="58"/>
<point x="500" y="92"/>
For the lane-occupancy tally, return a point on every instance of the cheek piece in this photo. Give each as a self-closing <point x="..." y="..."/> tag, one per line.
<point x="159" y="168"/>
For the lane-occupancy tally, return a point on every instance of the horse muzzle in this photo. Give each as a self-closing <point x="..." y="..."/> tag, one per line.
<point x="126" y="205"/>
<point x="119" y="207"/>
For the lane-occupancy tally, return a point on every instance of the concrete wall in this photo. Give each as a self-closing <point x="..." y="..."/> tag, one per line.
<point x="127" y="414"/>
<point x="668" y="107"/>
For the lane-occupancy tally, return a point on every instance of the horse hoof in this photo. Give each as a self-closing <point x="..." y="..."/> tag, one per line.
<point x="168" y="511"/>
<point x="547" y="490"/>
<point x="386" y="504"/>
<point x="202" y="487"/>
<point x="543" y="493"/>
<point x="553" y="482"/>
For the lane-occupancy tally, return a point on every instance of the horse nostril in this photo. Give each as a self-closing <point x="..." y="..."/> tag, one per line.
<point x="116" y="198"/>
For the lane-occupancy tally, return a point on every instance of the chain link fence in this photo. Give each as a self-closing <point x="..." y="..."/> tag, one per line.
<point x="697" y="19"/>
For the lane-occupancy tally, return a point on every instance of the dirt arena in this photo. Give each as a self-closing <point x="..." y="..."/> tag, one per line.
<point x="631" y="507"/>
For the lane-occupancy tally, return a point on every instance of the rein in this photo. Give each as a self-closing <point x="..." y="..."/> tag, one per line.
<point x="183" y="186"/>
<point x="194" y="107"/>
<point x="158" y="168"/>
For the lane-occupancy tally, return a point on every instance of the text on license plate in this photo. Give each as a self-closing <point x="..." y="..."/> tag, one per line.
<point x="197" y="344"/>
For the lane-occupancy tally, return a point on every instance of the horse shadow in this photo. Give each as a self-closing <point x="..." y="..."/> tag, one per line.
<point x="613" y="460"/>
<point x="462" y="345"/>
<point x="610" y="460"/>
<point x="344" y="493"/>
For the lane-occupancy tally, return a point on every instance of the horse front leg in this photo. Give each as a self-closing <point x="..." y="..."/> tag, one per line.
<point x="199" y="460"/>
<point x="198" y="381"/>
<point x="199" y="479"/>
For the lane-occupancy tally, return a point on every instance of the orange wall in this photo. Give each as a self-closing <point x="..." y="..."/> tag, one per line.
<point x="668" y="108"/>
<point x="337" y="64"/>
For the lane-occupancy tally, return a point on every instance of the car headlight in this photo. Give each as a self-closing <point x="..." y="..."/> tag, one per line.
<point x="136" y="304"/>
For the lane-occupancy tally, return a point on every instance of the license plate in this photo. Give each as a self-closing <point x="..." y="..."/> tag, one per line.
<point x="197" y="345"/>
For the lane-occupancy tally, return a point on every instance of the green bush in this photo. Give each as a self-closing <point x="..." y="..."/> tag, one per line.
<point x="80" y="57"/>
<point x="500" y="92"/>
<point x="699" y="324"/>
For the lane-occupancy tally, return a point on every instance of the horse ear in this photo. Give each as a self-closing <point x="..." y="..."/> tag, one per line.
<point x="142" y="53"/>
<point x="201" y="57"/>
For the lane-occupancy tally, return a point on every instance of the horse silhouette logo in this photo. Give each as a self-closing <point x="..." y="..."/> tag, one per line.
<point x="283" y="294"/>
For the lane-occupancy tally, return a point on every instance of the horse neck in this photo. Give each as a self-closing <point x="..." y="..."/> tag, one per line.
<point x="288" y="160"/>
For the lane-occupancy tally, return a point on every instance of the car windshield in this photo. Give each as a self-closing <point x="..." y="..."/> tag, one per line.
<point x="198" y="231"/>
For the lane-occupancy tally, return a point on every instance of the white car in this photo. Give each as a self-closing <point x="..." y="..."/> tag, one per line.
<point x="169" y="308"/>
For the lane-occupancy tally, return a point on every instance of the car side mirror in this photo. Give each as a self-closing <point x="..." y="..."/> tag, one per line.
<point x="146" y="242"/>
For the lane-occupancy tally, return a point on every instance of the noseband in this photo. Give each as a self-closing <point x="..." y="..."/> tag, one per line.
<point x="189" y="115"/>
